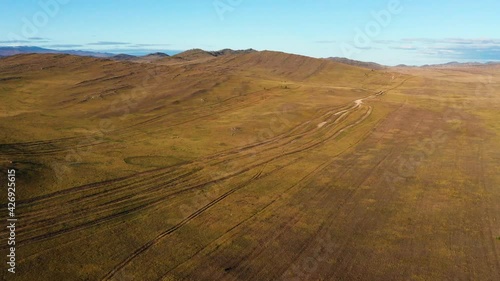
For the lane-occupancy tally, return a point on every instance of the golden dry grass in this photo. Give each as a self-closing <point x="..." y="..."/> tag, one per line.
<point x="258" y="166"/>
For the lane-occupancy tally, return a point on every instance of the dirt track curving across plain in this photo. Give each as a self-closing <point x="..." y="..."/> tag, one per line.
<point x="235" y="168"/>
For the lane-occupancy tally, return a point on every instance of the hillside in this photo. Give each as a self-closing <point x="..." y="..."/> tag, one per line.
<point x="247" y="165"/>
<point x="370" y="65"/>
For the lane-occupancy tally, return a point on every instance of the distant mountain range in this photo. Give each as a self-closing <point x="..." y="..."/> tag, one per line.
<point x="149" y="57"/>
<point x="10" y="51"/>
<point x="455" y="63"/>
<point x="199" y="53"/>
<point x="187" y="55"/>
<point x="195" y="54"/>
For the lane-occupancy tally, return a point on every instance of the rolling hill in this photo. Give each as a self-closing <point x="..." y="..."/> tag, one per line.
<point x="250" y="165"/>
<point x="371" y="65"/>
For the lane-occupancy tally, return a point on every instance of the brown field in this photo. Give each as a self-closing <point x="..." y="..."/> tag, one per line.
<point x="250" y="166"/>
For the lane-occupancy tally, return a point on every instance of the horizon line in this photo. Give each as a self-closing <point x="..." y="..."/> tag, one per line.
<point x="146" y="52"/>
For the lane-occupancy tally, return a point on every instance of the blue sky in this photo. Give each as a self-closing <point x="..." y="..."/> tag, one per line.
<point x="385" y="31"/>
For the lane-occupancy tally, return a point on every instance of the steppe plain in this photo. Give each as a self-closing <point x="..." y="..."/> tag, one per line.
<point x="251" y="166"/>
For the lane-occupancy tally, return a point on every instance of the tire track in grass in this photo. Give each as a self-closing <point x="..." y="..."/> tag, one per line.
<point x="154" y="241"/>
<point x="135" y="201"/>
<point x="159" y="237"/>
<point x="218" y="180"/>
<point x="203" y="159"/>
<point x="84" y="225"/>
<point x="295" y="186"/>
<point x="145" y="173"/>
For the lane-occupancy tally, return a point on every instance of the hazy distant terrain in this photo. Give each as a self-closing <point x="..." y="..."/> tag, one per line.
<point x="247" y="165"/>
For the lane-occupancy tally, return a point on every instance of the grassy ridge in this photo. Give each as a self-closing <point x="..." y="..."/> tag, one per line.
<point x="259" y="165"/>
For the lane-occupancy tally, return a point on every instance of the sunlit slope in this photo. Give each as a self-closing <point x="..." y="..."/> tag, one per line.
<point x="250" y="166"/>
<point x="68" y="105"/>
